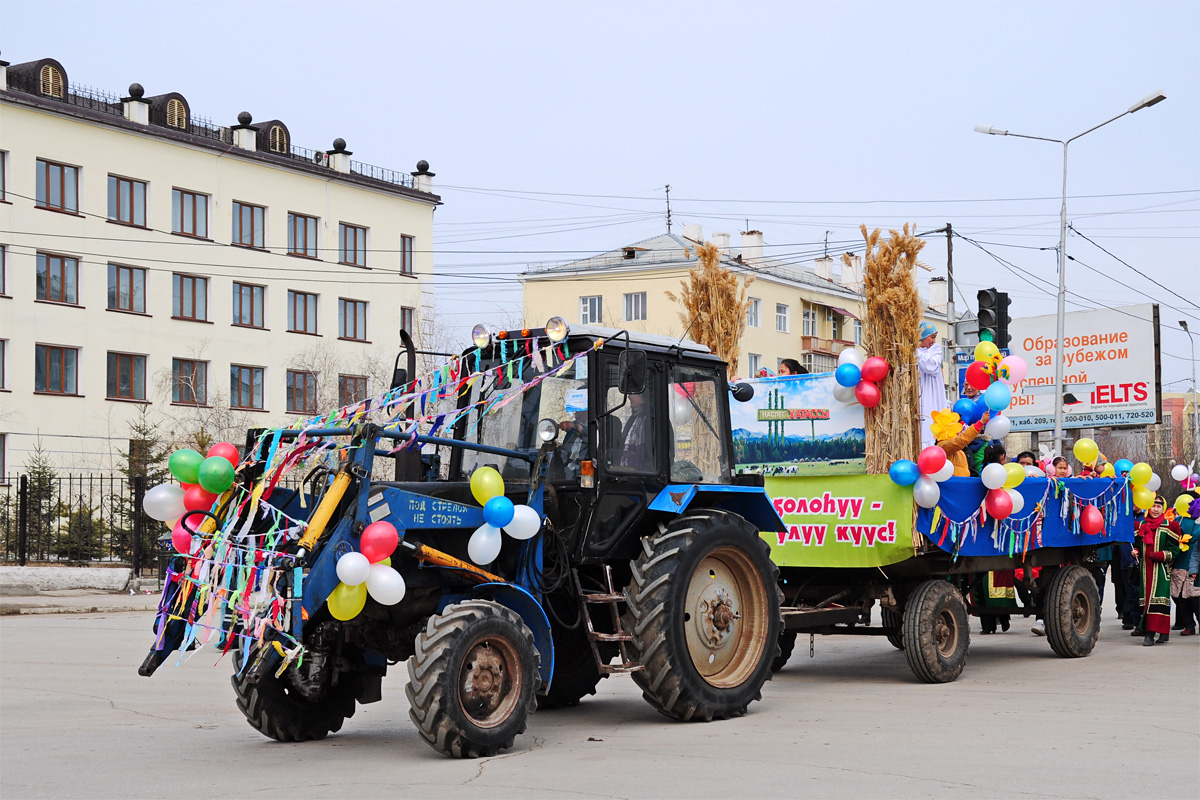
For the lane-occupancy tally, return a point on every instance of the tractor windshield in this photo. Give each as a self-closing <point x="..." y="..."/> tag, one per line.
<point x="698" y="426"/>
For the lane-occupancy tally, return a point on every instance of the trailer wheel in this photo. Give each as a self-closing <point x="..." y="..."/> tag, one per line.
<point x="1072" y="609"/>
<point x="472" y="679"/>
<point x="893" y="623"/>
<point x="703" y="608"/>
<point x="936" y="633"/>
<point x="275" y="707"/>
<point x="787" y="644"/>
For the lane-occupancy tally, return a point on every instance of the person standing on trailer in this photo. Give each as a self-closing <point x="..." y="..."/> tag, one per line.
<point x="932" y="387"/>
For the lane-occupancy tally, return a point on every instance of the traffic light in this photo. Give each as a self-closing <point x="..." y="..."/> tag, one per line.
<point x="993" y="317"/>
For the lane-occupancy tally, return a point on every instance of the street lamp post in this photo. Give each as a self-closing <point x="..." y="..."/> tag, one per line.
<point x="1195" y="409"/>
<point x="1145" y="102"/>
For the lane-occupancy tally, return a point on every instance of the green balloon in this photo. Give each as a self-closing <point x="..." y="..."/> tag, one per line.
<point x="215" y="474"/>
<point x="185" y="465"/>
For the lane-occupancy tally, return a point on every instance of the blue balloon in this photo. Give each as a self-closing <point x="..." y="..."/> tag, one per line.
<point x="1122" y="466"/>
<point x="498" y="511"/>
<point x="848" y="375"/>
<point x="965" y="408"/>
<point x="904" y="472"/>
<point x="997" y="396"/>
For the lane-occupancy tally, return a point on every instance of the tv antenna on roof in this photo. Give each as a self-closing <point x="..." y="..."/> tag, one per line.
<point x="668" y="190"/>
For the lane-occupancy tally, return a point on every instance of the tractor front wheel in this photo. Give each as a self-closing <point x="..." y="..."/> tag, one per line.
<point x="275" y="706"/>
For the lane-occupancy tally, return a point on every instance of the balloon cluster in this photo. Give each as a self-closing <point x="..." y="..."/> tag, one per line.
<point x="994" y="375"/>
<point x="931" y="468"/>
<point x="1141" y="476"/>
<point x="499" y="515"/>
<point x="858" y="379"/>
<point x="202" y="478"/>
<point x="368" y="571"/>
<point x="1180" y="473"/>
<point x="1002" y="481"/>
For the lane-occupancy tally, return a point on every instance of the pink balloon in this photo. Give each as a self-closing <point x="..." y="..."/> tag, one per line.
<point x="931" y="459"/>
<point x="379" y="540"/>
<point x="867" y="393"/>
<point x="874" y="369"/>
<point x="181" y="537"/>
<point x="999" y="503"/>
<point x="1016" y="371"/>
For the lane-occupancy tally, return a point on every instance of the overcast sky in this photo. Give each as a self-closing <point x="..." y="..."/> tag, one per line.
<point x="553" y="127"/>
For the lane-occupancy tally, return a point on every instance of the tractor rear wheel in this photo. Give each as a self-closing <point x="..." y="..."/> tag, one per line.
<point x="275" y="707"/>
<point x="1072" y="612"/>
<point x="787" y="643"/>
<point x="936" y="634"/>
<point x="703" y="609"/>
<point x="472" y="679"/>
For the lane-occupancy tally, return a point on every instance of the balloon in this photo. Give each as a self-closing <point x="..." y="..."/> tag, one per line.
<point x="945" y="473"/>
<point x="847" y="375"/>
<point x="1143" y="498"/>
<point x="226" y="451"/>
<point x="216" y="474"/>
<point x="1179" y="472"/>
<point x="874" y="369"/>
<point x="997" y="397"/>
<point x="978" y="377"/>
<point x="997" y="427"/>
<point x="926" y="492"/>
<point x="182" y="536"/>
<point x="1012" y="370"/>
<point x="1191" y="482"/>
<point x="164" y="502"/>
<point x="851" y="355"/>
<point x="1140" y="474"/>
<point x="1032" y="471"/>
<point x="1091" y="521"/>
<point x="931" y="459"/>
<point x="1108" y="472"/>
<point x="486" y="483"/>
<point x="843" y="394"/>
<point x="525" y="524"/>
<point x="195" y="498"/>
<point x="965" y="408"/>
<point x="1154" y="483"/>
<point x="1086" y="451"/>
<point x="867" y="393"/>
<point x="346" y="601"/>
<point x="484" y="545"/>
<point x="184" y="465"/>
<point x="1016" y="474"/>
<point x="385" y="585"/>
<point x="353" y="569"/>
<point x="987" y="352"/>
<point x="994" y="476"/>
<point x="1122" y="467"/>
<point x="498" y="511"/>
<point x="1017" y="499"/>
<point x="1182" y="503"/>
<point x="379" y="540"/>
<point x="681" y="410"/>
<point x="904" y="472"/>
<point x="999" y="502"/>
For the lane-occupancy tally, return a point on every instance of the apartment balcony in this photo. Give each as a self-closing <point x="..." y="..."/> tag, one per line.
<point x="832" y="347"/>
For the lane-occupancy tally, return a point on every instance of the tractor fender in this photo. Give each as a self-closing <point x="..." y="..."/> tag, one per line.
<point x="531" y="613"/>
<point x="749" y="502"/>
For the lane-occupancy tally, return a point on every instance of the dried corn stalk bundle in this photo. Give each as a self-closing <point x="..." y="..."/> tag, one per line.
<point x="891" y="332"/>
<point x="714" y="305"/>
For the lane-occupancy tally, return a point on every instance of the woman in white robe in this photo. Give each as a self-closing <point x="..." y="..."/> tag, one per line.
<point x="932" y="386"/>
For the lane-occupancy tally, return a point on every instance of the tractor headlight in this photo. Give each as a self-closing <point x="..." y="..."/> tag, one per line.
<point x="481" y="335"/>
<point x="547" y="430"/>
<point x="556" y="329"/>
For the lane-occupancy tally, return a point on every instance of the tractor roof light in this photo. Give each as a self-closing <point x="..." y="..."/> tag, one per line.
<point x="481" y="336"/>
<point x="556" y="329"/>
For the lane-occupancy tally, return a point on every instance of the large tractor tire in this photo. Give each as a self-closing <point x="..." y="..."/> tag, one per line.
<point x="472" y="679"/>
<point x="704" y="614"/>
<point x="787" y="644"/>
<point x="1072" y="612"/>
<point x="936" y="632"/>
<point x="275" y="707"/>
<point x="576" y="673"/>
<point x="893" y="623"/>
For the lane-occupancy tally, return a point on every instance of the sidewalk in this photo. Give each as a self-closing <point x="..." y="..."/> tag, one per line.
<point x="77" y="601"/>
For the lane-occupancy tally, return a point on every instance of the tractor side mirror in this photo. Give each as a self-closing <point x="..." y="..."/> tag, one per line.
<point x="631" y="372"/>
<point x="742" y="392"/>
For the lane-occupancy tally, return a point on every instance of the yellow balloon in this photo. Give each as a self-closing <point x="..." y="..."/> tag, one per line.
<point x="1140" y="474"/>
<point x="1016" y="474"/>
<point x="486" y="483"/>
<point x="1143" y="498"/>
<point x="345" y="602"/>
<point x="987" y="352"/>
<point x="1182" y="503"/>
<point x="1086" y="451"/>
<point x="1108" y="471"/>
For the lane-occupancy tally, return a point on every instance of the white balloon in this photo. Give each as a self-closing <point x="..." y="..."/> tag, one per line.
<point x="1034" y="472"/>
<point x="945" y="473"/>
<point x="851" y="355"/>
<point x="843" y="394"/>
<point x="353" y="569"/>
<point x="1179" y="472"/>
<point x="484" y="545"/>
<point x="385" y="585"/>
<point x="681" y="410"/>
<point x="994" y="476"/>
<point x="1018" y="500"/>
<point x="526" y="522"/>
<point x="1154" y="482"/>
<point x="997" y="427"/>
<point x="926" y="492"/>
<point x="164" y="502"/>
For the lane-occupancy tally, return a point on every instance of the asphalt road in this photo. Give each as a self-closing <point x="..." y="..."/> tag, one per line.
<point x="77" y="721"/>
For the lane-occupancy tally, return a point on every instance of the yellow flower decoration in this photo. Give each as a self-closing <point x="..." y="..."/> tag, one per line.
<point x="946" y="425"/>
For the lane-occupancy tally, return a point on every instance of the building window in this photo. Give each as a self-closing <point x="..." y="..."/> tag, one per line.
<point x="189" y="297"/>
<point x="249" y="224"/>
<point x="301" y="392"/>
<point x="126" y="376"/>
<point x="176" y="114"/>
<point x="246" y="387"/>
<point x="57" y="186"/>
<point x="406" y="254"/>
<point x="189" y="382"/>
<point x="52" y="82"/>
<point x="752" y="318"/>
<point x="858" y="331"/>
<point x="302" y="235"/>
<point x="753" y="364"/>
<point x="352" y="319"/>
<point x="635" y="307"/>
<point x="302" y="312"/>
<point x="3" y="373"/>
<point x="406" y="319"/>
<point x="126" y="288"/>
<point x="248" y="305"/>
<point x="590" y="309"/>
<point x="54" y="371"/>
<point x="817" y="362"/>
<point x="189" y="211"/>
<point x="809" y="324"/>
<point x="3" y="271"/>
<point x="781" y="318"/>
<point x="279" y="142"/>
<point x="835" y="325"/>
<point x="57" y="278"/>
<point x="352" y="245"/>
<point x="3" y="183"/>
<point x="126" y="201"/>
<point x="351" y="389"/>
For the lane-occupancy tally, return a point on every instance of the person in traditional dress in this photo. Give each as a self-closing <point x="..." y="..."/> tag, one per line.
<point x="932" y="387"/>
<point x="950" y="434"/>
<point x="1158" y="541"/>
<point x="1183" y="575"/>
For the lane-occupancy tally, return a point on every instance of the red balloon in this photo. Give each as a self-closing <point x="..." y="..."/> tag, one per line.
<point x="1091" y="521"/>
<point x="867" y="393"/>
<point x="931" y="459"/>
<point x="226" y="451"/>
<point x="977" y="376"/>
<point x="874" y="369"/>
<point x="196" y="498"/>
<point x="379" y="540"/>
<point x="999" y="503"/>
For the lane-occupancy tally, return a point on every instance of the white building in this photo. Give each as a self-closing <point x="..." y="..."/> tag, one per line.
<point x="217" y="278"/>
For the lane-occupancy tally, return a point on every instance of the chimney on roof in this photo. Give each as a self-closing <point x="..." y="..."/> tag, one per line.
<point x="245" y="135"/>
<point x="824" y="267"/>
<point x="135" y="108"/>
<point x="339" y="156"/>
<point x="694" y="232"/>
<point x="3" y="75"/>
<point x="721" y="240"/>
<point x="938" y="294"/>
<point x="752" y="245"/>
<point x="423" y="178"/>
<point x="852" y="273"/>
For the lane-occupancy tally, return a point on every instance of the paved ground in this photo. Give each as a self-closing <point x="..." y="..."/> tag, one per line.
<point x="77" y="721"/>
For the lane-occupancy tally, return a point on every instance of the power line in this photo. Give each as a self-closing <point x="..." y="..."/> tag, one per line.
<point x="1131" y="266"/>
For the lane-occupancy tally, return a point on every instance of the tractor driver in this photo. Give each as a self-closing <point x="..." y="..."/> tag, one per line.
<point x="636" y="445"/>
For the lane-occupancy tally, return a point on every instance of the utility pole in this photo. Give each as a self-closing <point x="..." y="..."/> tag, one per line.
<point x="668" y="208"/>
<point x="826" y="244"/>
<point x="950" y="279"/>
